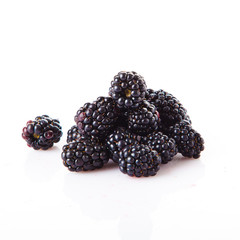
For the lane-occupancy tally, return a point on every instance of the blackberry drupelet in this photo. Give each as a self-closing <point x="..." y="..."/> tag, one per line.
<point x="161" y="143"/>
<point x="97" y="118"/>
<point x="143" y="120"/>
<point x="119" y="139"/>
<point x="84" y="154"/>
<point x="128" y="89"/>
<point x="73" y="134"/>
<point x="42" y="133"/>
<point x="170" y="109"/>
<point x="189" y="142"/>
<point x="139" y="160"/>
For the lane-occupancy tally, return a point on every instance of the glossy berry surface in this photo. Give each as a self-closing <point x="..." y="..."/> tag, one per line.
<point x="118" y="139"/>
<point x="136" y="127"/>
<point x="42" y="133"/>
<point x="84" y="154"/>
<point x="139" y="160"/>
<point x="128" y="89"/>
<point x="97" y="118"/>
<point x="73" y="134"/>
<point x="165" y="146"/>
<point x="189" y="141"/>
<point x="143" y="120"/>
<point x="170" y="109"/>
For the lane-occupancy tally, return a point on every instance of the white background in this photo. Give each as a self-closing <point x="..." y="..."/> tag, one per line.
<point x="57" y="55"/>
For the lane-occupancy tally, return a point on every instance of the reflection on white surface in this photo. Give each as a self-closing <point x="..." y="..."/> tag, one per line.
<point x="108" y="194"/>
<point x="42" y="165"/>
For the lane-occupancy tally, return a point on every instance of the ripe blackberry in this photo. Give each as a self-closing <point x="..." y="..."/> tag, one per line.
<point x="128" y="89"/>
<point x="169" y="107"/>
<point x="84" y="154"/>
<point x="143" y="120"/>
<point x="119" y="139"/>
<point x="97" y="118"/>
<point x="139" y="160"/>
<point x="42" y="133"/>
<point x="73" y="134"/>
<point x="161" y="143"/>
<point x="189" y="142"/>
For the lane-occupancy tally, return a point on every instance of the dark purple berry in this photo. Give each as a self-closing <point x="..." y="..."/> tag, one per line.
<point x="97" y="118"/>
<point x="84" y="154"/>
<point x="42" y="133"/>
<point x="139" y="160"/>
<point x="170" y="109"/>
<point x="128" y="89"/>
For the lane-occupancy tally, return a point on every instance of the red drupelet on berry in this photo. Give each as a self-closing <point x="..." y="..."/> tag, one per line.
<point x="42" y="133"/>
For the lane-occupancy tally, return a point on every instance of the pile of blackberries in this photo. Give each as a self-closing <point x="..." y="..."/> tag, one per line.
<point x="138" y="128"/>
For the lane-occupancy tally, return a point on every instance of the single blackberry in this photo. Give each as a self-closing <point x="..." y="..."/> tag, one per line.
<point x="170" y="109"/>
<point x="139" y="160"/>
<point x="143" y="120"/>
<point x="128" y="89"/>
<point x="161" y="143"/>
<point x="119" y="139"/>
<point x="97" y="118"/>
<point x="189" y="142"/>
<point x="42" y="133"/>
<point x="84" y="154"/>
<point x="73" y="134"/>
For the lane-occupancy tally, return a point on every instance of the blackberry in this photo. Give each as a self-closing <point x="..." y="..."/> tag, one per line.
<point x="119" y="139"/>
<point x="128" y="89"/>
<point x="170" y="109"/>
<point x="42" y="133"/>
<point x="97" y="118"/>
<point x="73" y="134"/>
<point x="189" y="142"/>
<point x="139" y="160"/>
<point x="161" y="143"/>
<point x="144" y="119"/>
<point x="84" y="154"/>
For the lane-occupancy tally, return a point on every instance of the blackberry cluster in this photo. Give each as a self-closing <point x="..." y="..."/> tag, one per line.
<point x="165" y="146"/>
<point x="136" y="127"/>
<point x="189" y="142"/>
<point x="144" y="119"/>
<point x="128" y="89"/>
<point x="119" y="139"/>
<point x="169" y="107"/>
<point x="84" y="154"/>
<point x="139" y="160"/>
<point x="42" y="133"/>
<point x="97" y="118"/>
<point x="73" y="134"/>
